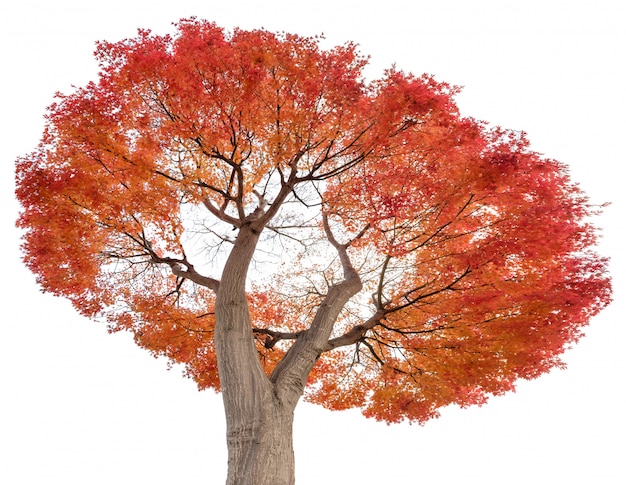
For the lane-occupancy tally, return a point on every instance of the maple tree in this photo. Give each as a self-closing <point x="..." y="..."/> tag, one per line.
<point x="404" y="257"/>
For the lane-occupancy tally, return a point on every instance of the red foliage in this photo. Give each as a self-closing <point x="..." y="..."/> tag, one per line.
<point x="475" y="253"/>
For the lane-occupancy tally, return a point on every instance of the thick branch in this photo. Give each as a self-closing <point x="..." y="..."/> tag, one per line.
<point x="221" y="214"/>
<point x="274" y="336"/>
<point x="191" y="274"/>
<point x="356" y="333"/>
<point x="291" y="373"/>
<point x="348" y="270"/>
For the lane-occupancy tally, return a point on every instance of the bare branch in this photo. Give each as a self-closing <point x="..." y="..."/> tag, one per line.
<point x="297" y="363"/>
<point x="180" y="267"/>
<point x="274" y="336"/>
<point x="184" y="269"/>
<point x="348" y="270"/>
<point x="356" y="333"/>
<point x="221" y="214"/>
<point x="423" y="296"/>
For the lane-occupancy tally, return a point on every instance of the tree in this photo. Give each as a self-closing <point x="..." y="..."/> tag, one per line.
<point x="248" y="206"/>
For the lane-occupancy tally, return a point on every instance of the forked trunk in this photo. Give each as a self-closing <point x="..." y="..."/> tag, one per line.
<point x="259" y="422"/>
<point x="259" y="409"/>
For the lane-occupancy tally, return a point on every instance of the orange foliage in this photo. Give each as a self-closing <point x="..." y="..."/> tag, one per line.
<point x="474" y="252"/>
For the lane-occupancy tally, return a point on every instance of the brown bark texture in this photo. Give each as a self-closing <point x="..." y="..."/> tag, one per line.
<point x="259" y="408"/>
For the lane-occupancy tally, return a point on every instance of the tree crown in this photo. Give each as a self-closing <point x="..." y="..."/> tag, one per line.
<point x="473" y="255"/>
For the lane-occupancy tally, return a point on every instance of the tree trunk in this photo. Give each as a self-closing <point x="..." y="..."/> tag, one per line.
<point x="260" y="448"/>
<point x="258" y="422"/>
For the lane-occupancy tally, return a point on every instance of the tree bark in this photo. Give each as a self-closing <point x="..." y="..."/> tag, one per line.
<point x="260" y="448"/>
<point x="258" y="422"/>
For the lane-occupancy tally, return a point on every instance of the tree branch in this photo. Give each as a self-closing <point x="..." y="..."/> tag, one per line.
<point x="291" y="373"/>
<point x="356" y="333"/>
<point x="274" y="336"/>
<point x="221" y="213"/>
<point x="412" y="301"/>
<point x="184" y="269"/>
<point x="180" y="267"/>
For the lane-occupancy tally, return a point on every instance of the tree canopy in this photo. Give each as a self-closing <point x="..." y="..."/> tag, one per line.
<point x="437" y="258"/>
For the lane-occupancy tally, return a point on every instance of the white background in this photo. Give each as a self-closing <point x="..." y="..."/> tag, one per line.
<point x="81" y="407"/>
